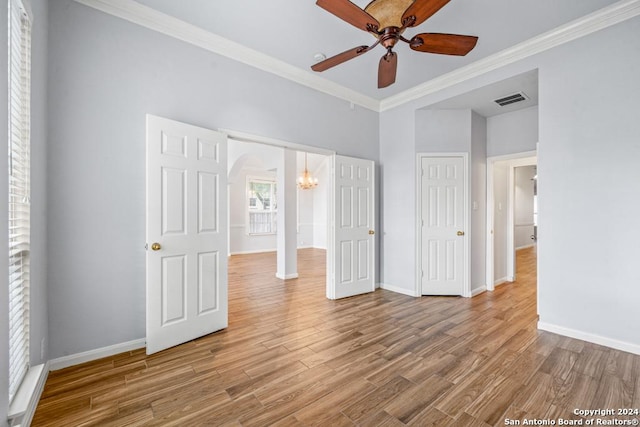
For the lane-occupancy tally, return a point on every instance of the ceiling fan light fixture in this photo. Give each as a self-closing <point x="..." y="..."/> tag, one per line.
<point x="319" y="57"/>
<point x="386" y="20"/>
<point x="388" y="12"/>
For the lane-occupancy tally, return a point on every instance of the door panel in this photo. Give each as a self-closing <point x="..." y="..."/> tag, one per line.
<point x="351" y="266"/>
<point x="186" y="217"/>
<point x="442" y="219"/>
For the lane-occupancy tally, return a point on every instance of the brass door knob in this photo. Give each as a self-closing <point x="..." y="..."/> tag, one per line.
<point x="155" y="246"/>
<point x="460" y="233"/>
<point x="372" y="232"/>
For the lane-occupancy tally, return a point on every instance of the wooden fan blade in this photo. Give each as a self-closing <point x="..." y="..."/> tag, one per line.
<point x="339" y="58"/>
<point x="422" y="10"/>
<point x="350" y="13"/>
<point x="446" y="44"/>
<point x="387" y="69"/>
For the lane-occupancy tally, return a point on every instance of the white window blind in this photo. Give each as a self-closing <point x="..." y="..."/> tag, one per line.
<point x="19" y="188"/>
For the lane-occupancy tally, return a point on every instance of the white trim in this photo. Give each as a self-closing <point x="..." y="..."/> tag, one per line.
<point x="501" y="281"/>
<point x="593" y="338"/>
<point x="466" y="287"/>
<point x="24" y="404"/>
<point x="98" y="353"/>
<point x="603" y="18"/>
<point x="525" y="246"/>
<point x="147" y="17"/>
<point x="478" y="291"/>
<point x="515" y="159"/>
<point x="275" y="142"/>
<point x="152" y="19"/>
<point x="397" y="289"/>
<point x="287" y="276"/>
<point x="257" y="251"/>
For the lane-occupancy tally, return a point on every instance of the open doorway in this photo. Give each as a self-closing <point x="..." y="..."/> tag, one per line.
<point x="350" y="215"/>
<point x="258" y="201"/>
<point x="511" y="214"/>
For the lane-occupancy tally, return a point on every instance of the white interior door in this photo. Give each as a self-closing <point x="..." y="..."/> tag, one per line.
<point x="442" y="219"/>
<point x="351" y="260"/>
<point x="186" y="232"/>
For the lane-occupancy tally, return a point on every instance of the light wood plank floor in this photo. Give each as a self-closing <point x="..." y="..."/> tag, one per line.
<point x="290" y="357"/>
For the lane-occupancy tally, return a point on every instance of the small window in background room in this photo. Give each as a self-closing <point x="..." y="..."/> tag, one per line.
<point x="262" y="206"/>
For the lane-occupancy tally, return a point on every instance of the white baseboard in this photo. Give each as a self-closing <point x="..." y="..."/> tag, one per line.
<point x="593" y="338"/>
<point x="478" y="291"/>
<point x="258" y="251"/>
<point x="98" y="353"/>
<point x="397" y="289"/>
<point x="287" y="276"/>
<point x="264" y="251"/>
<point x="501" y="281"/>
<point x="25" y="402"/>
<point x="525" y="246"/>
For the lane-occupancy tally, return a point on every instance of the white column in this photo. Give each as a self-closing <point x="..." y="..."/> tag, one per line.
<point x="287" y="241"/>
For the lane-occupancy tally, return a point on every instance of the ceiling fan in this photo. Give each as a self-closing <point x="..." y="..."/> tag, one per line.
<point x="386" y="20"/>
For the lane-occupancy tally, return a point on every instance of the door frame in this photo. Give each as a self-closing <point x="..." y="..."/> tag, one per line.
<point x="466" y="287"/>
<point x="247" y="137"/>
<point x="525" y="158"/>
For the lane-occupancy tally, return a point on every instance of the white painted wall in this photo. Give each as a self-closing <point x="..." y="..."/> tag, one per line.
<point x="523" y="206"/>
<point x="260" y="161"/>
<point x="248" y="160"/>
<point x="478" y="196"/>
<point x="320" y="205"/>
<point x="500" y="220"/>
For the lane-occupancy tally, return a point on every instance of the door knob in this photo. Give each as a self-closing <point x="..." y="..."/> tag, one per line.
<point x="155" y="246"/>
<point x="460" y="233"/>
<point x="372" y="232"/>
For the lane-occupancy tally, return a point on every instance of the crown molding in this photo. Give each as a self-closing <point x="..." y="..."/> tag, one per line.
<point x="147" y="17"/>
<point x="603" y="18"/>
<point x="168" y="25"/>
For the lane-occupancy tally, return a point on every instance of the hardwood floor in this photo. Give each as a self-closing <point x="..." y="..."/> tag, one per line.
<point x="290" y="357"/>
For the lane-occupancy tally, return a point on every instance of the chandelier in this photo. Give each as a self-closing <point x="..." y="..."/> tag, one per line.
<point x="306" y="181"/>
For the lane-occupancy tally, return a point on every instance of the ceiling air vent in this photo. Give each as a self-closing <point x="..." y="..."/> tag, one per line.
<point x="516" y="97"/>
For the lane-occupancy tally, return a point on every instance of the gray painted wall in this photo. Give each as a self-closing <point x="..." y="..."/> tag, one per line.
<point x="515" y="132"/>
<point x="105" y="75"/>
<point x="589" y="185"/>
<point x="462" y="131"/>
<point x="588" y="150"/>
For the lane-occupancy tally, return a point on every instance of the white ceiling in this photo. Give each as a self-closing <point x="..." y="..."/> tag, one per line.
<point x="294" y="30"/>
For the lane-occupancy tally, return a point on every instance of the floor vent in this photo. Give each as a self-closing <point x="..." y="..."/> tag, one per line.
<point x="516" y="97"/>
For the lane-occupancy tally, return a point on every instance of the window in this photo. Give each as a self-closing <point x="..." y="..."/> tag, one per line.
<point x="19" y="189"/>
<point x="262" y="206"/>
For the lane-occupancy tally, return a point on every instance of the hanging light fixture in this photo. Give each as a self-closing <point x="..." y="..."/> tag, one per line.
<point x="306" y="181"/>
